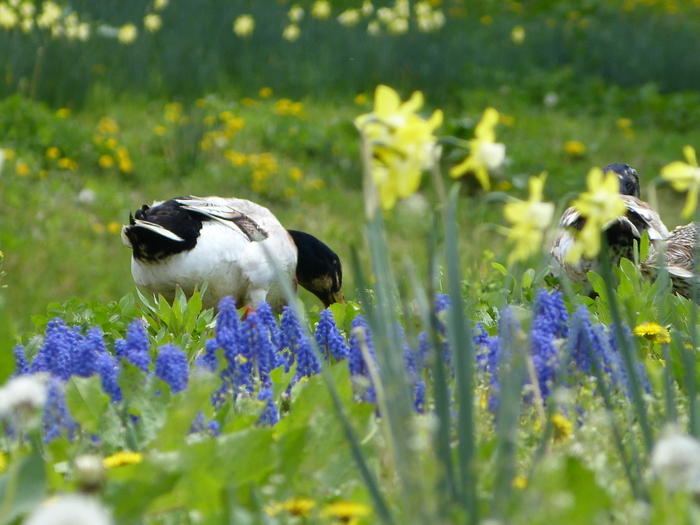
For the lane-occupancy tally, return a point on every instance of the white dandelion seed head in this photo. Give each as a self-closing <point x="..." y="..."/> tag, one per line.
<point x="23" y="393"/>
<point x="70" y="510"/>
<point x="675" y="461"/>
<point x="551" y="99"/>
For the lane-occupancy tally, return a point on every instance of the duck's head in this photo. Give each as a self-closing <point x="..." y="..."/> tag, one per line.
<point x="629" y="180"/>
<point x="318" y="268"/>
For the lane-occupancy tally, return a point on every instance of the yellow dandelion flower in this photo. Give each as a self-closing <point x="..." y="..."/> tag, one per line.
<point x="575" y="148"/>
<point x="209" y="121"/>
<point x="346" y="510"/>
<point x="127" y="34"/>
<point x="9" y="154"/>
<point x="685" y="176"/>
<point x="236" y="123"/>
<point x="236" y="157"/>
<point x="160" y="130"/>
<point x="517" y="35"/>
<point x="529" y="221"/>
<point x="485" y="154"/>
<point x="624" y="123"/>
<point x="653" y="332"/>
<point x="63" y="113"/>
<point x="123" y="458"/>
<point x="106" y="161"/>
<point x="107" y="126"/>
<point x="486" y="20"/>
<point x="111" y="143"/>
<point x="67" y="164"/>
<point x="244" y="26"/>
<point x="200" y="103"/>
<point x="296" y="174"/>
<point x="265" y="92"/>
<point x="249" y="102"/>
<point x="294" y="506"/>
<point x="53" y="153"/>
<point x="361" y="99"/>
<point x="317" y="184"/>
<point x="22" y="169"/>
<point x="519" y="482"/>
<point x="114" y="227"/>
<point x="152" y="22"/>
<point x="321" y="9"/>
<point x="43" y="174"/>
<point x="562" y="427"/>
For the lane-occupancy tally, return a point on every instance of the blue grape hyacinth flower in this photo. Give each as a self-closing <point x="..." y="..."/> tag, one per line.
<point x="328" y="338"/>
<point x="171" y="367"/>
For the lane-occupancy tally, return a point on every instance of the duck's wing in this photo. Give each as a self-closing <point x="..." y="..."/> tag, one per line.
<point x="219" y="210"/>
<point x="644" y="218"/>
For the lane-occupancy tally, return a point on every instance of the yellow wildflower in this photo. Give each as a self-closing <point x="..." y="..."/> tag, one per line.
<point x="530" y="219"/>
<point x="653" y="332"/>
<point x="575" y="148"/>
<point x="349" y="17"/>
<point x="50" y="14"/>
<point x="8" y="16"/>
<point x="402" y="143"/>
<point x="487" y="20"/>
<point x="53" y="153"/>
<point x="291" y="33"/>
<point x="361" y="99"/>
<point x="244" y="26"/>
<point x="98" y="228"/>
<point x="114" y="227"/>
<point x="9" y="154"/>
<point x="599" y="205"/>
<point x="295" y="174"/>
<point x="22" y="168"/>
<point x="127" y="34"/>
<point x="562" y="427"/>
<point x="209" y="121"/>
<point x="265" y="92"/>
<point x="67" y="164"/>
<point x="63" y="113"/>
<point x="484" y="152"/>
<point x="152" y="22"/>
<point x="235" y="157"/>
<point x="106" y="161"/>
<point x="367" y="8"/>
<point x="321" y="9"/>
<point x="519" y="482"/>
<point x="398" y="26"/>
<point x="346" y="510"/>
<point x="294" y="506"/>
<point x="159" y="5"/>
<point x="296" y="14"/>
<point x="685" y="176"/>
<point x="123" y="458"/>
<point x="160" y="130"/>
<point x="111" y="143"/>
<point x="107" y="126"/>
<point x="517" y="35"/>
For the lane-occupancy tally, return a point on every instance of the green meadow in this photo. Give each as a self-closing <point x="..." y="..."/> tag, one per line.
<point x="457" y="385"/>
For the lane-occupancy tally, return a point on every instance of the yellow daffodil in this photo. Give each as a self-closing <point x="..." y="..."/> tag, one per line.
<point x="653" y="332"/>
<point x="152" y="22"/>
<point x="402" y="143"/>
<point x="599" y="205"/>
<point x="484" y="152"/>
<point x="530" y="219"/>
<point x="685" y="176"/>
<point x="321" y="9"/>
<point x="123" y="458"/>
<point x="517" y="35"/>
<point x="291" y="33"/>
<point x="349" y="17"/>
<point x="244" y="26"/>
<point x="127" y="34"/>
<point x="296" y="14"/>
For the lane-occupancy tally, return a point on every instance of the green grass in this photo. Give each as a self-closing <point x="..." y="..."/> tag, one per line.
<point x="57" y="246"/>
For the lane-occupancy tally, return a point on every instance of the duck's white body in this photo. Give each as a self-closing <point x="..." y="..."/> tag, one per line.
<point x="230" y="254"/>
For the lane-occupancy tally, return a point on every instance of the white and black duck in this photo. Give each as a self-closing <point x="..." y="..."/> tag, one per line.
<point x="622" y="233"/>
<point x="188" y="241"/>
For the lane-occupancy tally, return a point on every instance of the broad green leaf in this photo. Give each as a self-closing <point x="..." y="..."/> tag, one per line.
<point x="87" y="401"/>
<point x="22" y="487"/>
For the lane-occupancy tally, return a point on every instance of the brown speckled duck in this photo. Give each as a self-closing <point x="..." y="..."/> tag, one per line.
<point x="680" y="246"/>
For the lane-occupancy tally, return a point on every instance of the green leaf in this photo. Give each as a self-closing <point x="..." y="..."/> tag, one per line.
<point x="87" y="402"/>
<point x="502" y="269"/>
<point x="22" y="488"/>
